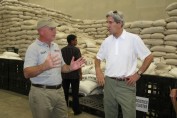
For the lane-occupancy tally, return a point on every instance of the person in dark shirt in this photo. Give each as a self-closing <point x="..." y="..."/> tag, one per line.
<point x="74" y="77"/>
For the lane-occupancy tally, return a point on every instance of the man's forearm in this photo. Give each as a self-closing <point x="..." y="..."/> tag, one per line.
<point x="66" y="69"/>
<point x="34" y="71"/>
<point x="97" y="64"/>
<point x="146" y="63"/>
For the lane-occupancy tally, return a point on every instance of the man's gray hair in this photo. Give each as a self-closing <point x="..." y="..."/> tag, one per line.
<point x="117" y="16"/>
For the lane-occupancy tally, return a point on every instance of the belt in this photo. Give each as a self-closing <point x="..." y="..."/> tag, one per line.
<point x="120" y="78"/>
<point x="47" y="87"/>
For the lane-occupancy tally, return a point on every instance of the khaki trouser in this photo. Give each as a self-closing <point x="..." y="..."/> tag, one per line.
<point x="47" y="103"/>
<point x="118" y="92"/>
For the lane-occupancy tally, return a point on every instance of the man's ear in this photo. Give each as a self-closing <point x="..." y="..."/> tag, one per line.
<point x="39" y="31"/>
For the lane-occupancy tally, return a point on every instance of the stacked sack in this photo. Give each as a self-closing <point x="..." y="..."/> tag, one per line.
<point x="18" y="25"/>
<point x="95" y="28"/>
<point x="152" y="34"/>
<point x="88" y="85"/>
<point x="171" y="34"/>
<point x="171" y="39"/>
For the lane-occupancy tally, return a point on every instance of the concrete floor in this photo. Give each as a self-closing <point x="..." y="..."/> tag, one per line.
<point x="14" y="105"/>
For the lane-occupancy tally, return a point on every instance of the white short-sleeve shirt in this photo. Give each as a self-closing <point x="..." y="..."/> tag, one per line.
<point x="121" y="54"/>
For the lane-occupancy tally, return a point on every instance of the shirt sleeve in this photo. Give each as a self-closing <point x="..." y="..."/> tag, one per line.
<point x="141" y="48"/>
<point x="31" y="57"/>
<point x="102" y="51"/>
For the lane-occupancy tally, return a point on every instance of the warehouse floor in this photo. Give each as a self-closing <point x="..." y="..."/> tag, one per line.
<point x="14" y="105"/>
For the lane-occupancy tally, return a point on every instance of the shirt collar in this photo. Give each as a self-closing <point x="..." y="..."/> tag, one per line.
<point x="43" y="43"/>
<point x="122" y="36"/>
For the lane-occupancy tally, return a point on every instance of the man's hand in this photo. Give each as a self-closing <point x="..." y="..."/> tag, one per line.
<point x="173" y="93"/>
<point x="74" y="65"/>
<point x="52" y="61"/>
<point x="132" y="79"/>
<point x="100" y="77"/>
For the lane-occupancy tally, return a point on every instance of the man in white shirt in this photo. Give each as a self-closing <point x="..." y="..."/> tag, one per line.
<point x="120" y="50"/>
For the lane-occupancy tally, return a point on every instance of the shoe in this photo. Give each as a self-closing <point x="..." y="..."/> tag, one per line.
<point x="77" y="113"/>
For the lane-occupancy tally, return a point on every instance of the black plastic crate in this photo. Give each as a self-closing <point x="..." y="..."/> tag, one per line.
<point x="17" y="81"/>
<point x="93" y="104"/>
<point x="4" y="78"/>
<point x="157" y="89"/>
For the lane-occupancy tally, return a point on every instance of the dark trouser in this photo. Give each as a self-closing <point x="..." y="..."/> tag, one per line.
<point x="75" y="91"/>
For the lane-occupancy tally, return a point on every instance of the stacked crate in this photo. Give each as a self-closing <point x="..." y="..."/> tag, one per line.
<point x="4" y="74"/>
<point x="12" y="77"/>
<point x="17" y="81"/>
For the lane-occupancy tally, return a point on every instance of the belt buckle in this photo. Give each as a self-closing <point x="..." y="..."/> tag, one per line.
<point x="122" y="79"/>
<point x="119" y="79"/>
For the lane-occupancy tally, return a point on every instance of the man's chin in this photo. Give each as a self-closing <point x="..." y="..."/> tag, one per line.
<point x="110" y="33"/>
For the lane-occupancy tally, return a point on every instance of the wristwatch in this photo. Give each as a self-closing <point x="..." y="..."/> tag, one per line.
<point x="139" y="73"/>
